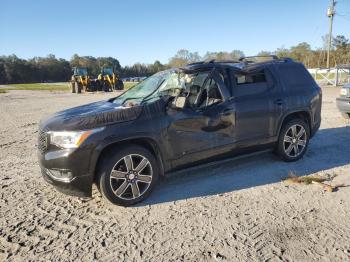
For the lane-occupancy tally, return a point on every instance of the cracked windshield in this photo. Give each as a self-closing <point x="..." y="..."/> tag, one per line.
<point x="167" y="83"/>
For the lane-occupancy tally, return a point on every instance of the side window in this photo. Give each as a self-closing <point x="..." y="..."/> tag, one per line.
<point x="257" y="77"/>
<point x="210" y="94"/>
<point x="205" y="95"/>
<point x="251" y="83"/>
<point x="225" y="76"/>
<point x="214" y="95"/>
<point x="295" y="76"/>
<point x="194" y="88"/>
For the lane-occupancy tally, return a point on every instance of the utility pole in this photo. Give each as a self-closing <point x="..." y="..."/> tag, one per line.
<point x="330" y="14"/>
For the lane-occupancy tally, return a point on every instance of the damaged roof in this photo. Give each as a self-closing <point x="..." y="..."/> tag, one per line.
<point x="243" y="64"/>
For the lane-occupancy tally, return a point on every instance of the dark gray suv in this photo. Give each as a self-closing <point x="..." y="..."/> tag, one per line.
<point x="178" y="118"/>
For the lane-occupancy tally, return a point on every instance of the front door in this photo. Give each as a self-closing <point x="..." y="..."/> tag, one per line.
<point x="205" y="127"/>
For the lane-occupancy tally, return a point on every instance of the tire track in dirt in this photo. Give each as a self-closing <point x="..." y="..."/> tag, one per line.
<point x="270" y="222"/>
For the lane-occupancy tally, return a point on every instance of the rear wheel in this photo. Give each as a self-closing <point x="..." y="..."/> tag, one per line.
<point x="78" y="87"/>
<point x="73" y="87"/>
<point x="127" y="176"/>
<point x="293" y="140"/>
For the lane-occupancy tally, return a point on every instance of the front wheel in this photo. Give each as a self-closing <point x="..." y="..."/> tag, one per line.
<point x="120" y="85"/>
<point x="128" y="175"/>
<point x="293" y="140"/>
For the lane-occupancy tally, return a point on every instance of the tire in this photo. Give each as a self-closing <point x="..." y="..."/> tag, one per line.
<point x="346" y="115"/>
<point x="106" y="86"/>
<point x="73" y="87"/>
<point x="120" y="85"/>
<point x="98" y="86"/>
<point x="293" y="140"/>
<point x="77" y="87"/>
<point x="124" y="188"/>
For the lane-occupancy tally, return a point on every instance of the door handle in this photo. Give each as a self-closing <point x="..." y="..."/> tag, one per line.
<point x="279" y="102"/>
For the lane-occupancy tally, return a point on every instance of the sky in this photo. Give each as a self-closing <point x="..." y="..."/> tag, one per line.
<point x="144" y="31"/>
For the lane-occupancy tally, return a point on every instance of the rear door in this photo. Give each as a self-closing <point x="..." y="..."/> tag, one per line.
<point x="259" y="104"/>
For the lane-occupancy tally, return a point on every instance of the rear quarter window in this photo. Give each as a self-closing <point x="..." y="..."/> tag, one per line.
<point x="296" y="76"/>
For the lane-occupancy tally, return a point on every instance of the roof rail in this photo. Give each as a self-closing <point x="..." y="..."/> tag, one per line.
<point x="222" y="61"/>
<point x="286" y="59"/>
<point x="272" y="59"/>
<point x="213" y="61"/>
<point x="197" y="63"/>
<point x="248" y="58"/>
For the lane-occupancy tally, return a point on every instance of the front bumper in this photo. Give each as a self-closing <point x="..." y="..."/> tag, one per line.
<point x="78" y="186"/>
<point x="343" y="104"/>
<point x="67" y="170"/>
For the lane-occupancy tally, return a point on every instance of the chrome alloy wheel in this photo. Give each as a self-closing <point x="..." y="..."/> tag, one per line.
<point x="294" y="141"/>
<point x="131" y="176"/>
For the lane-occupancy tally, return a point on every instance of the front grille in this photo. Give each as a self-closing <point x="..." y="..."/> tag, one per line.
<point x="42" y="141"/>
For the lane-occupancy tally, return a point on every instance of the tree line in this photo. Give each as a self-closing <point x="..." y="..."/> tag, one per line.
<point x="52" y="69"/>
<point x="339" y="53"/>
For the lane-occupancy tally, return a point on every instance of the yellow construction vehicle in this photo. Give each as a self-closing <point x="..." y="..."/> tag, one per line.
<point x="80" y="80"/>
<point x="109" y="81"/>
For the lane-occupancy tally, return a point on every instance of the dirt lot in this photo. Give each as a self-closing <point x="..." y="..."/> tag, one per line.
<point x="238" y="210"/>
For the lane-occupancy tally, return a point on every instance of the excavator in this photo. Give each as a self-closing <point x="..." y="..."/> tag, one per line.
<point x="109" y="80"/>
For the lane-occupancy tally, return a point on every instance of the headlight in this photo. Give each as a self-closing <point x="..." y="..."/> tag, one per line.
<point x="70" y="139"/>
<point x="345" y="91"/>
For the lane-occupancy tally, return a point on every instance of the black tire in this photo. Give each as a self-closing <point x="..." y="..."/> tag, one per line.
<point x="73" y="87"/>
<point x="115" y="161"/>
<point x="78" y="87"/>
<point x="346" y="115"/>
<point x="106" y="87"/>
<point x="120" y="85"/>
<point x="299" y="145"/>
<point x="98" y="86"/>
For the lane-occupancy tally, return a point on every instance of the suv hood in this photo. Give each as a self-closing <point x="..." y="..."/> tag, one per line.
<point x="90" y="116"/>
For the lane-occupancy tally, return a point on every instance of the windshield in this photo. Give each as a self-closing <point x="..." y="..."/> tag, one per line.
<point x="81" y="71"/>
<point x="107" y="71"/>
<point x="166" y="83"/>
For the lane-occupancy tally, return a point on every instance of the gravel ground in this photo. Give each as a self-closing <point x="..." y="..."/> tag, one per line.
<point x="238" y="210"/>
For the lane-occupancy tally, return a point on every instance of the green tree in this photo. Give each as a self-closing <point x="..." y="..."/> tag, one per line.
<point x="264" y="53"/>
<point x="183" y="57"/>
<point x="340" y="42"/>
<point x="237" y="54"/>
<point x="109" y="62"/>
